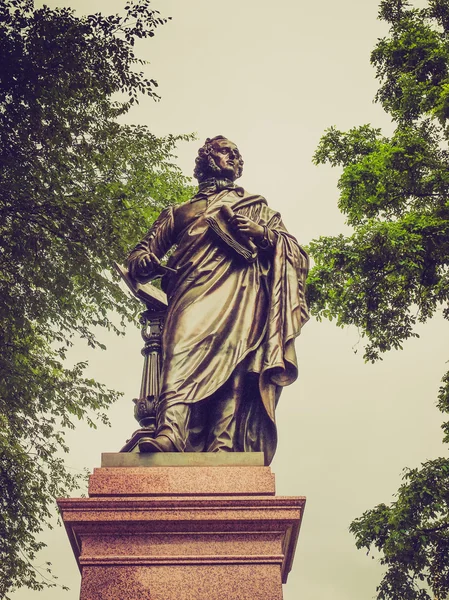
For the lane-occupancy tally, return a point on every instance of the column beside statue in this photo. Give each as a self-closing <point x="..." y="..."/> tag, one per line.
<point x="152" y="322"/>
<point x="187" y="509"/>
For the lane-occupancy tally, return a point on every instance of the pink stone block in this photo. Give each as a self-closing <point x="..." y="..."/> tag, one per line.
<point x="205" y="582"/>
<point x="188" y="533"/>
<point x="161" y="481"/>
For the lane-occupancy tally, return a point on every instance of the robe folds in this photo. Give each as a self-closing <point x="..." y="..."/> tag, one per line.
<point x="225" y="312"/>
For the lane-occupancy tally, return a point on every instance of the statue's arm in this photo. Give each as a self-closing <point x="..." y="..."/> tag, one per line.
<point x="268" y="239"/>
<point x="144" y="259"/>
<point x="294" y="260"/>
<point x="255" y="230"/>
<point x="276" y="229"/>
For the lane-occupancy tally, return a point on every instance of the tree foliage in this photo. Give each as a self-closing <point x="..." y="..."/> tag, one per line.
<point x="77" y="188"/>
<point x="393" y="271"/>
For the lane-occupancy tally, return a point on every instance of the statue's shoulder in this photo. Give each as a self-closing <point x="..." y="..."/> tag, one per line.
<point x="180" y="211"/>
<point x="248" y="199"/>
<point x="186" y="212"/>
<point x="180" y="208"/>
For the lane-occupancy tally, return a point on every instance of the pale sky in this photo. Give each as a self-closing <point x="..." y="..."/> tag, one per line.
<point x="271" y="77"/>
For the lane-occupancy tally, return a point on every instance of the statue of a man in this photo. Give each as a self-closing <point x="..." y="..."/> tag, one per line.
<point x="236" y="303"/>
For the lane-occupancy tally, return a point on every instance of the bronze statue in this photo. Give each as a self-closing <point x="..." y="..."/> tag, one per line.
<point x="235" y="288"/>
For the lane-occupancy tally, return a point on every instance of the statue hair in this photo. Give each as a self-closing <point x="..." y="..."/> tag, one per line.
<point x="205" y="165"/>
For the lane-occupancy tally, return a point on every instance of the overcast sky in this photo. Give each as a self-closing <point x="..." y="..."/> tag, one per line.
<point x="272" y="76"/>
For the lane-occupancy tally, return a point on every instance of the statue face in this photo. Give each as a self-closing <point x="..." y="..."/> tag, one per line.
<point x="226" y="156"/>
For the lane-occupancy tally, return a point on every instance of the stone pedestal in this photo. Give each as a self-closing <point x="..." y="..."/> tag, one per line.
<point x="183" y="527"/>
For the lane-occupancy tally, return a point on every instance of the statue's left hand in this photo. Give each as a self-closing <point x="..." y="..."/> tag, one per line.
<point x="247" y="227"/>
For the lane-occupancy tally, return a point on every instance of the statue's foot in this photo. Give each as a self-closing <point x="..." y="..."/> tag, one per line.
<point x="161" y="443"/>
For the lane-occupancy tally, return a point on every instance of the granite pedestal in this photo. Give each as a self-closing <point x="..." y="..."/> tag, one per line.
<point x="183" y="527"/>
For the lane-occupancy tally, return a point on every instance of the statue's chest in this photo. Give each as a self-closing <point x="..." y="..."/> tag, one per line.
<point x="191" y="216"/>
<point x="189" y="213"/>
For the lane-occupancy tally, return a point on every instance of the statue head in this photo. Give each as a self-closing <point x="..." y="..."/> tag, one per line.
<point x="220" y="158"/>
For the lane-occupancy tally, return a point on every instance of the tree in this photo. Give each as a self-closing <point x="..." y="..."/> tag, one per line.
<point x="393" y="271"/>
<point x="76" y="189"/>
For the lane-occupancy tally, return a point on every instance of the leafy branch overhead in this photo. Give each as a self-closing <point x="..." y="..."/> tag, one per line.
<point x="393" y="271"/>
<point x="77" y="188"/>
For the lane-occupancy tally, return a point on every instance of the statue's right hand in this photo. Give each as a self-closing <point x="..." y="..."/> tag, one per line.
<point x="148" y="263"/>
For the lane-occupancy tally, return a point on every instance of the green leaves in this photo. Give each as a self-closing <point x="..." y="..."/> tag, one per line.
<point x="413" y="534"/>
<point x="77" y="189"/>
<point x="393" y="270"/>
<point x="412" y="63"/>
<point x="388" y="177"/>
<point x="382" y="279"/>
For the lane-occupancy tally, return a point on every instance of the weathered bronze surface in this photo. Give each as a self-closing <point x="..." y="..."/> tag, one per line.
<point x="235" y="289"/>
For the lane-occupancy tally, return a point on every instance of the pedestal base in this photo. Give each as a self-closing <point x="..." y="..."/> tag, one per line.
<point x="183" y="533"/>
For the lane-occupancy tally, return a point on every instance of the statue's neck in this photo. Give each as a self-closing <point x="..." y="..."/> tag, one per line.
<point x="216" y="184"/>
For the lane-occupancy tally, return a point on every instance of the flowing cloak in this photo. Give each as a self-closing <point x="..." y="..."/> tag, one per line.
<point x="224" y="311"/>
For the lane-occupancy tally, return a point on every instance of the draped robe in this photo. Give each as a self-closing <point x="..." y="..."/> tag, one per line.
<point x="224" y="311"/>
